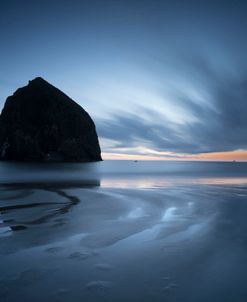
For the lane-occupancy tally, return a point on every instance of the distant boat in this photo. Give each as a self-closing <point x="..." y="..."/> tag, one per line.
<point x="135" y="161"/>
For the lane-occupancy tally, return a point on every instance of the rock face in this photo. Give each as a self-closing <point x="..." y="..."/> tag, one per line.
<point x="41" y="123"/>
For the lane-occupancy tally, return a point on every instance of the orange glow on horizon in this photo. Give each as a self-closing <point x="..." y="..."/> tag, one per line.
<point x="119" y="156"/>
<point x="238" y="155"/>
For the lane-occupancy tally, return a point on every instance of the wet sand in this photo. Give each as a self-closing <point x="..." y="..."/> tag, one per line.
<point x="142" y="238"/>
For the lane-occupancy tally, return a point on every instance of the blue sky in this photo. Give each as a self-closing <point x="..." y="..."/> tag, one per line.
<point x="160" y="78"/>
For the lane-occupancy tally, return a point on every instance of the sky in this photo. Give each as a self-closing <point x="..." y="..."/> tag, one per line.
<point x="161" y="79"/>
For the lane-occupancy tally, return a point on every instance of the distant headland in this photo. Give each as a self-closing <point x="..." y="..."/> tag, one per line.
<point x="40" y="123"/>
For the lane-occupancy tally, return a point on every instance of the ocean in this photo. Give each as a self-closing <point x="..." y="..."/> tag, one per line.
<point x="123" y="231"/>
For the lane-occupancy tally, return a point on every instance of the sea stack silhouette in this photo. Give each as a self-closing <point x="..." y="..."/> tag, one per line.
<point x="41" y="123"/>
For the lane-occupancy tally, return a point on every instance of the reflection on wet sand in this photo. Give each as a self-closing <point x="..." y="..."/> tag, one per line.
<point x="21" y="197"/>
<point x="124" y="238"/>
<point x="155" y="182"/>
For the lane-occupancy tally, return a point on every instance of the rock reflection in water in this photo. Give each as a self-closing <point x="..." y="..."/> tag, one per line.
<point x="24" y="205"/>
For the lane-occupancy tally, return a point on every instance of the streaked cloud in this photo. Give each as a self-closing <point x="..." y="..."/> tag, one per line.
<point x="164" y="79"/>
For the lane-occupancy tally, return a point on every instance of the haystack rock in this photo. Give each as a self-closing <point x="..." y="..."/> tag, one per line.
<point x="40" y="123"/>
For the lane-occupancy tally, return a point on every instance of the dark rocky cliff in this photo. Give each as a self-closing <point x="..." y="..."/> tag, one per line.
<point x="41" y="123"/>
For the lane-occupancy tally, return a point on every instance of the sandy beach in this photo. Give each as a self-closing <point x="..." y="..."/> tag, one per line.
<point x="139" y="237"/>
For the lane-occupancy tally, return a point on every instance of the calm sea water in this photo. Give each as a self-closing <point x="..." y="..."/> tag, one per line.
<point x="123" y="231"/>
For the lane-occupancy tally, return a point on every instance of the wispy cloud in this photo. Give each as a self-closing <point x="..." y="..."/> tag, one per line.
<point x="219" y="120"/>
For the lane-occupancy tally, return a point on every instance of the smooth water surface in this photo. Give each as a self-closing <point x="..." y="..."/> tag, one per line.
<point x="123" y="231"/>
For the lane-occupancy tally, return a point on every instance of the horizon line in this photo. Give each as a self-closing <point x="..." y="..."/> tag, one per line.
<point x="227" y="156"/>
